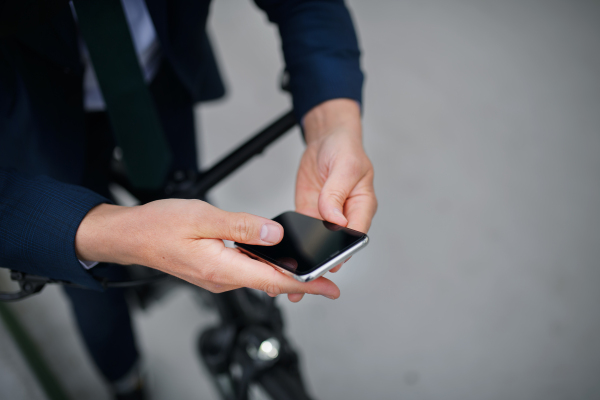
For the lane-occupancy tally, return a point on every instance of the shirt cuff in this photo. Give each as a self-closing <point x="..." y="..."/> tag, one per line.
<point x="88" y="264"/>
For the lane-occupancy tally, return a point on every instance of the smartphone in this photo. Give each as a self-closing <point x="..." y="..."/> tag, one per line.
<point x="309" y="248"/>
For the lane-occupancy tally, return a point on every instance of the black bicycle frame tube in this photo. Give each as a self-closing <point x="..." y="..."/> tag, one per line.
<point x="255" y="145"/>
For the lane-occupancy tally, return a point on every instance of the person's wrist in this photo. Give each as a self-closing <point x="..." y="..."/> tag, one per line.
<point x="105" y="235"/>
<point x="332" y="116"/>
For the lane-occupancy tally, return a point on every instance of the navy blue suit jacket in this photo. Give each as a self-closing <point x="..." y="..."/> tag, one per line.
<point x="42" y="116"/>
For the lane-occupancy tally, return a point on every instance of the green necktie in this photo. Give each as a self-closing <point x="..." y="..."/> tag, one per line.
<point x="130" y="108"/>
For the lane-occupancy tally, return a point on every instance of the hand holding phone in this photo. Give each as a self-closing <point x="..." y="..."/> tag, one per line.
<point x="310" y="247"/>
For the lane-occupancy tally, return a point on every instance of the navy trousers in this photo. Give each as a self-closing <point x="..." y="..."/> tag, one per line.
<point x="105" y="325"/>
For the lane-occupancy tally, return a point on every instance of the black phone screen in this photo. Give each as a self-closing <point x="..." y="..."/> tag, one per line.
<point x="307" y="243"/>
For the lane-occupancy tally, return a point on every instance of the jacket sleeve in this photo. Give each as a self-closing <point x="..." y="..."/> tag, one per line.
<point x="38" y="221"/>
<point x="320" y="49"/>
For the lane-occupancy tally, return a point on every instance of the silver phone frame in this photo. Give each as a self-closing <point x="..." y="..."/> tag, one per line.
<point x="338" y="259"/>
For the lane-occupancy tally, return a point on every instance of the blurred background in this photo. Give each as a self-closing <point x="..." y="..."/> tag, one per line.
<point x="482" y="277"/>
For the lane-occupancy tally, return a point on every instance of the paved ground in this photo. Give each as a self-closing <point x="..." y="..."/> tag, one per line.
<point x="481" y="280"/>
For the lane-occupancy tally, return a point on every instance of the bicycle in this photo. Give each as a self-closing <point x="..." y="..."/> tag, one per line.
<point x="247" y="353"/>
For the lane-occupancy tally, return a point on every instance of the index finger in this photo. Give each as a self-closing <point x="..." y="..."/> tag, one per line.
<point x="360" y="210"/>
<point x="258" y="275"/>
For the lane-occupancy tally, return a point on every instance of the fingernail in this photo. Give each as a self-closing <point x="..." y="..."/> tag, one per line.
<point x="331" y="297"/>
<point x="270" y="233"/>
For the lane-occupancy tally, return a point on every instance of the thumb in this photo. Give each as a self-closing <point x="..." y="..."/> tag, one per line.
<point x="241" y="227"/>
<point x="333" y="196"/>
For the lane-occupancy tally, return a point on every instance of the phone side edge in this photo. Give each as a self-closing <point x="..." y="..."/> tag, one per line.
<point x="333" y="262"/>
<point x="259" y="258"/>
